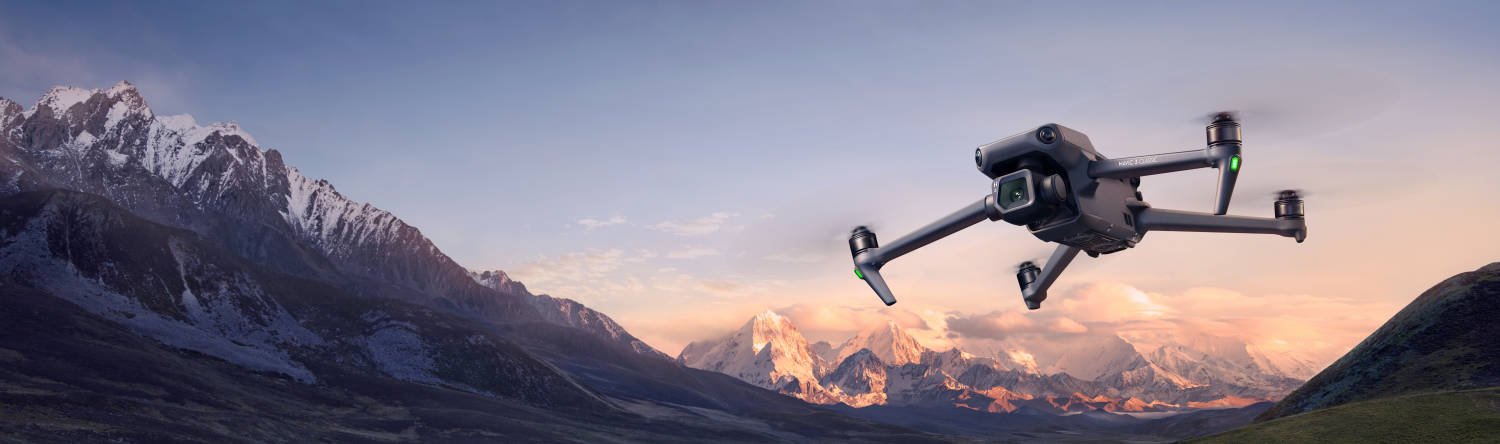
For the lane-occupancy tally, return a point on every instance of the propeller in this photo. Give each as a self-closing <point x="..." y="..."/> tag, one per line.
<point x="1272" y="195"/>
<point x="1220" y="116"/>
<point x="1275" y="101"/>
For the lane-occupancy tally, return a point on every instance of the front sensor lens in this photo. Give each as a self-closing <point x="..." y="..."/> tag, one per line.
<point x="1046" y="135"/>
<point x="1234" y="163"/>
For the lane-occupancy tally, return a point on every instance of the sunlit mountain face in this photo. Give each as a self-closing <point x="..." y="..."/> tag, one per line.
<point x="884" y="365"/>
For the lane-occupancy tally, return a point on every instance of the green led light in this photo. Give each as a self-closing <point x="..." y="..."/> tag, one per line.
<point x="858" y="274"/>
<point x="1234" y="163"/>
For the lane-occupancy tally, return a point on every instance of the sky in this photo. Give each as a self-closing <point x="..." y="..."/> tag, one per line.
<point x="682" y="166"/>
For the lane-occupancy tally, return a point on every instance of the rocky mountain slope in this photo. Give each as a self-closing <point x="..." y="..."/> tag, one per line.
<point x="566" y="312"/>
<point x="215" y="180"/>
<point x="1445" y="340"/>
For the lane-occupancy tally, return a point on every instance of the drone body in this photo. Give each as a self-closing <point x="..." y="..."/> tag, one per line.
<point x="1053" y="182"/>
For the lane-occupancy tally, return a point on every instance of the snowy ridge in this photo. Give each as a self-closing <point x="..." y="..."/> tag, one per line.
<point x="336" y="223"/>
<point x="207" y="163"/>
<point x="889" y="342"/>
<point x="567" y="312"/>
<point x="885" y="365"/>
<point x="767" y="351"/>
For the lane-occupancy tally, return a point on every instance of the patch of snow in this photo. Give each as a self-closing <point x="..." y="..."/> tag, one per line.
<point x="334" y="222"/>
<point x="116" y="158"/>
<point x="62" y="98"/>
<point x="398" y="351"/>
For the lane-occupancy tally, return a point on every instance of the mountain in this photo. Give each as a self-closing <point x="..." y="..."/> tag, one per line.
<point x="823" y="350"/>
<point x="889" y="342"/>
<point x="1443" y="341"/>
<point x="886" y="366"/>
<point x="566" y="312"/>
<point x="156" y="268"/>
<point x="171" y="286"/>
<point x="767" y="351"/>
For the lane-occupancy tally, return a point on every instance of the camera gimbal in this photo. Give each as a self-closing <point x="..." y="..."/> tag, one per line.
<point x="1052" y="181"/>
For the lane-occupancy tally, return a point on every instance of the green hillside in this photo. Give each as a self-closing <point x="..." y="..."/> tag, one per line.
<point x="1449" y="417"/>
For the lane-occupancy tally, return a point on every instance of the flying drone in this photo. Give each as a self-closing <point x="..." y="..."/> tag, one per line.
<point x="1053" y="182"/>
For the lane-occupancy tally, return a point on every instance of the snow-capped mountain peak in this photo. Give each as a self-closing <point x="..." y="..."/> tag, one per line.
<point x="888" y="341"/>
<point x="125" y="97"/>
<point x="767" y="351"/>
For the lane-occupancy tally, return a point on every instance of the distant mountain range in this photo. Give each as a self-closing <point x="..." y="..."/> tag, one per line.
<point x="885" y="365"/>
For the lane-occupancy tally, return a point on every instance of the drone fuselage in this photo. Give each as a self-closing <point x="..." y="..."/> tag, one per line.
<point x="1053" y="182"/>
<point x="1095" y="217"/>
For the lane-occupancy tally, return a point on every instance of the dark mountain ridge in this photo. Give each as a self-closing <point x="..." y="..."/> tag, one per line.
<point x="1447" y="339"/>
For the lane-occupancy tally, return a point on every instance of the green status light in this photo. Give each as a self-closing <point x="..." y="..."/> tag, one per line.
<point x="1234" y="163"/>
<point x="858" y="274"/>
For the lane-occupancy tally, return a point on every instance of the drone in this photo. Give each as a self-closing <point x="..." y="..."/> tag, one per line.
<point x="1053" y="182"/>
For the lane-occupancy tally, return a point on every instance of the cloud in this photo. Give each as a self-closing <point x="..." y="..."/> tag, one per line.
<point x="1109" y="302"/>
<point x="837" y="323"/>
<point x="673" y="282"/>
<point x="590" y="224"/>
<point x="697" y="227"/>
<point x="1315" y="328"/>
<point x="805" y="258"/>
<point x="571" y="267"/>
<point x="692" y="252"/>
<point x="994" y="325"/>
<point x="30" y="70"/>
<point x="1065" y="325"/>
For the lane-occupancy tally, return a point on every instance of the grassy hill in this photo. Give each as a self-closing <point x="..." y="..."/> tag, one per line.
<point x="1449" y="417"/>
<point x="1446" y="340"/>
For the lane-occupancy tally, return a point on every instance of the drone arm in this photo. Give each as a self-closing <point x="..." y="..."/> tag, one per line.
<point x="1035" y="291"/>
<point x="869" y="257"/>
<point x="1153" y="219"/>
<point x="968" y="216"/>
<point x="1132" y="167"/>
<point x="1225" y="156"/>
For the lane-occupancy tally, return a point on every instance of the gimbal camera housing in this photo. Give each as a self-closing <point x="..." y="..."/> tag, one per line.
<point x="1053" y="182"/>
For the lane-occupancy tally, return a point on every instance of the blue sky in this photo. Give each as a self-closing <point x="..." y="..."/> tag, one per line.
<point x="666" y="159"/>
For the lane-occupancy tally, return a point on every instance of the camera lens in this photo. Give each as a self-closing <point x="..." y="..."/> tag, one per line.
<point x="1013" y="193"/>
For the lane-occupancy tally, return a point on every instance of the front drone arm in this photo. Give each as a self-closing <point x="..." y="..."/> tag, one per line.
<point x="869" y="256"/>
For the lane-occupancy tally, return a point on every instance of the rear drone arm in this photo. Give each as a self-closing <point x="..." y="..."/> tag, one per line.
<point x="1223" y="152"/>
<point x="1225" y="157"/>
<point x="1289" y="221"/>
<point x="869" y="256"/>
